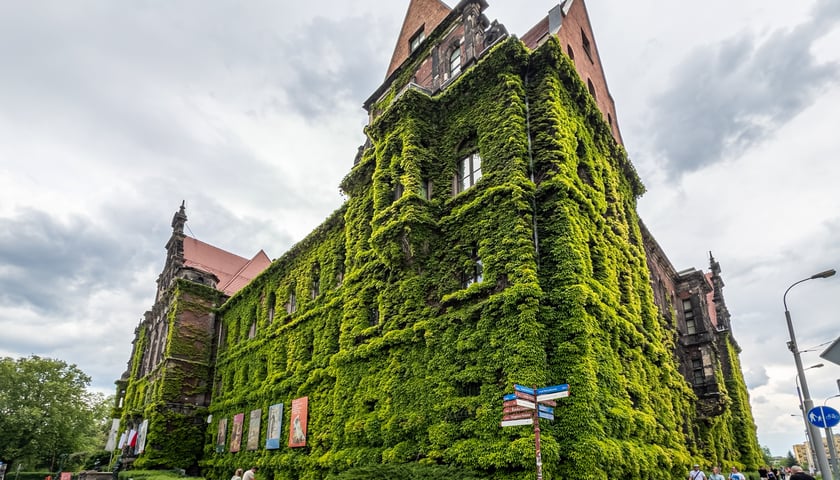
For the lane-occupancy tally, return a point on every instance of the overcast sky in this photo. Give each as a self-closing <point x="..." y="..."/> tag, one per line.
<point x="112" y="113"/>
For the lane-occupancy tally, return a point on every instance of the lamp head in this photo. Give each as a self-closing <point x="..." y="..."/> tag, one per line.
<point x="825" y="274"/>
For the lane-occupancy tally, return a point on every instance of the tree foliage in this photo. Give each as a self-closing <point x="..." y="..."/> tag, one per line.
<point x="46" y="412"/>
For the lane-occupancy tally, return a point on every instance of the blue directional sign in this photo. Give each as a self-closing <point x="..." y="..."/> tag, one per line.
<point x="523" y="389"/>
<point x="823" y="417"/>
<point x="552" y="392"/>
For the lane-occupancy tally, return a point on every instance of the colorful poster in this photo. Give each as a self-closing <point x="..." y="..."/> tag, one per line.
<point x="236" y="434"/>
<point x="141" y="437"/>
<point x="297" y="425"/>
<point x="275" y="420"/>
<point x="112" y="435"/>
<point x="254" y="429"/>
<point x="66" y="476"/>
<point x="123" y="440"/>
<point x="221" y="435"/>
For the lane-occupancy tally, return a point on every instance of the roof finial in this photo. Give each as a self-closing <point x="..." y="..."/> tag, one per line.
<point x="179" y="219"/>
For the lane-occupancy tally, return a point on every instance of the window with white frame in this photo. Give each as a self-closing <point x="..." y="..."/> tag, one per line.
<point x="469" y="172"/>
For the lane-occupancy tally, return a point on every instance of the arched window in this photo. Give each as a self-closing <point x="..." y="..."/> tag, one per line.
<point x="591" y="88"/>
<point x="570" y="52"/>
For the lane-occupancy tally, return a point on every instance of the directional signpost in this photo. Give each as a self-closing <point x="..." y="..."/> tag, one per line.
<point x="526" y="406"/>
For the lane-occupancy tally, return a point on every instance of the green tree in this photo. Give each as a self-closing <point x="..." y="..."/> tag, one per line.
<point x="47" y="416"/>
<point x="790" y="460"/>
<point x="766" y="455"/>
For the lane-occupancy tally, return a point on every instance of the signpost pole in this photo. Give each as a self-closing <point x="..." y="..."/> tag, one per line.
<point x="537" y="440"/>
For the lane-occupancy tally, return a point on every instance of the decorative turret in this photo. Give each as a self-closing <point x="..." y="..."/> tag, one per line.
<point x="179" y="220"/>
<point x="174" y="251"/>
<point x="721" y="312"/>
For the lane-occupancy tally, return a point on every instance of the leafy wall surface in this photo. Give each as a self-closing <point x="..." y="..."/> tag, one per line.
<point x="380" y="318"/>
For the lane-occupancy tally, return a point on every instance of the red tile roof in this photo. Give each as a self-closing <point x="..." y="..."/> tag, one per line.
<point x="233" y="271"/>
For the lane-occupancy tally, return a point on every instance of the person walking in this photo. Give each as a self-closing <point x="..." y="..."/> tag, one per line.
<point x="796" y="473"/>
<point x="716" y="474"/>
<point x="696" y="473"/>
<point x="237" y="475"/>
<point x="249" y="474"/>
<point x="736" y="475"/>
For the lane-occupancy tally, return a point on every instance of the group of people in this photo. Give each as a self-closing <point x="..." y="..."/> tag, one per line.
<point x="247" y="475"/>
<point x="793" y="473"/>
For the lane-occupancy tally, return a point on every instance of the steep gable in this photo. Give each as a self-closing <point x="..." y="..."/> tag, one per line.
<point x="421" y="16"/>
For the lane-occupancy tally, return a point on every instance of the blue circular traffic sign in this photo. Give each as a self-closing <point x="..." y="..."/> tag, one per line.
<point x="823" y="417"/>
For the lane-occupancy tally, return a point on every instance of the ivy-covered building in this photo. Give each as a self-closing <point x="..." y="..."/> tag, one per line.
<point x="490" y="237"/>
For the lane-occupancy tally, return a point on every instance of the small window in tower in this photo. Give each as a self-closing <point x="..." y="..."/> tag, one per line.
<point x="455" y="60"/>
<point x="398" y="190"/>
<point x="475" y="274"/>
<point x="570" y="52"/>
<point x="252" y="332"/>
<point x="698" y="371"/>
<point x="291" y="306"/>
<point x="609" y="119"/>
<point x="587" y="48"/>
<point x="591" y="88"/>
<point x="316" y="281"/>
<point x="690" y="322"/>
<point x="271" y="300"/>
<point x="469" y="172"/>
<point x="416" y="40"/>
<point x="425" y="189"/>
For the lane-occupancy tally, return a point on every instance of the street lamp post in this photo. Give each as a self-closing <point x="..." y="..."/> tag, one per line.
<point x="806" y="400"/>
<point x="812" y="448"/>
<point x="832" y="450"/>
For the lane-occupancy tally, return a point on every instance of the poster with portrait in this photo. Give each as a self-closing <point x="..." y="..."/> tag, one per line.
<point x="297" y="422"/>
<point x="236" y="433"/>
<point x="254" y="430"/>
<point x="221" y="435"/>
<point x="141" y="437"/>
<point x="275" y="420"/>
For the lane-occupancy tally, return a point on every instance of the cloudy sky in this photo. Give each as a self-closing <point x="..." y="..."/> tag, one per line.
<point x="112" y="113"/>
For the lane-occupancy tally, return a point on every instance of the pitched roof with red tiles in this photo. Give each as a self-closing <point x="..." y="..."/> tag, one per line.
<point x="233" y="271"/>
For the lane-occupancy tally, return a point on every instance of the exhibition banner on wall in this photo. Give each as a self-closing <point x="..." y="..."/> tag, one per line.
<point x="141" y="437"/>
<point x="275" y="420"/>
<point x="236" y="434"/>
<point x="221" y="435"/>
<point x="112" y="435"/>
<point x="254" y="429"/>
<point x="297" y="425"/>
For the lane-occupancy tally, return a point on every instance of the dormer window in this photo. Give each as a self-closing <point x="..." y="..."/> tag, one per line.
<point x="416" y="40"/>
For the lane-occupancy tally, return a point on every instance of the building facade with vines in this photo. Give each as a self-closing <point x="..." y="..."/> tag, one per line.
<point x="490" y="237"/>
